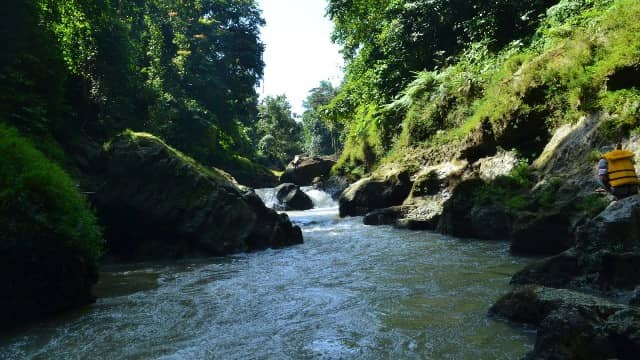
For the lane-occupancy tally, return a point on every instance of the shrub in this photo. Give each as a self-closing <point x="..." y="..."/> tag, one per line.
<point x="40" y="206"/>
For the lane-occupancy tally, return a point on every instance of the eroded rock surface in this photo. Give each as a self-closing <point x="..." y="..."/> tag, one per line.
<point x="375" y="193"/>
<point x="573" y="325"/>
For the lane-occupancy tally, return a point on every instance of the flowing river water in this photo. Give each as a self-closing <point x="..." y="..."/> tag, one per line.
<point x="350" y="291"/>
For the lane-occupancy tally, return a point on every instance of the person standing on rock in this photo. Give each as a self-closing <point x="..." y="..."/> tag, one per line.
<point x="603" y="170"/>
<point x="621" y="172"/>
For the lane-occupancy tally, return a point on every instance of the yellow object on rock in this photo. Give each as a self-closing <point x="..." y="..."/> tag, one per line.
<point x="621" y="169"/>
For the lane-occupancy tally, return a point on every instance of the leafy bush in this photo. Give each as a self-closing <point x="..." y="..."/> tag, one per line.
<point x="40" y="206"/>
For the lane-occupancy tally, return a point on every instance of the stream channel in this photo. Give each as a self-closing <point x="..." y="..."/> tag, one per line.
<point x="350" y="291"/>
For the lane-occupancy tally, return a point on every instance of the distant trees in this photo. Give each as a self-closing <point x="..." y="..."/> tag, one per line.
<point x="321" y="137"/>
<point x="278" y="135"/>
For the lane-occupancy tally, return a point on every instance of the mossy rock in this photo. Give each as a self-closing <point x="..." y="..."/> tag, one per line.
<point x="49" y="239"/>
<point x="157" y="202"/>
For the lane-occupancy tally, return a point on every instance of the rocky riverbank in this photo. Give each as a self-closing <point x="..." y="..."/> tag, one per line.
<point x="542" y="207"/>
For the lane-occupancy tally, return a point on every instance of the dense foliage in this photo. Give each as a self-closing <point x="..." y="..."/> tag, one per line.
<point x="320" y="137"/>
<point x="425" y="73"/>
<point x="277" y="133"/>
<point x="183" y="70"/>
<point x="41" y="208"/>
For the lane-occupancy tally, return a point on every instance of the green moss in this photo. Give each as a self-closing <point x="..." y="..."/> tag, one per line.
<point x="40" y="205"/>
<point x="592" y="204"/>
<point x="141" y="137"/>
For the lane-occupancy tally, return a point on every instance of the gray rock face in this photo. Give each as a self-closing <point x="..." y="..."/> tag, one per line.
<point x="491" y="222"/>
<point x="306" y="169"/>
<point x="546" y="233"/>
<point x="386" y="216"/>
<point x="531" y="304"/>
<point x="617" y="228"/>
<point x="572" y="325"/>
<point x="555" y="271"/>
<point x="609" y="244"/>
<point x="502" y="163"/>
<point x="292" y="198"/>
<point x="463" y="217"/>
<point x="370" y="193"/>
<point x="157" y="203"/>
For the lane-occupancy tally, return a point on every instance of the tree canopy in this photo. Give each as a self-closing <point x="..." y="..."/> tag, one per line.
<point x="186" y="71"/>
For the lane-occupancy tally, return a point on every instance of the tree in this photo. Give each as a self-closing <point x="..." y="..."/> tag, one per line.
<point x="320" y="134"/>
<point x="279" y="135"/>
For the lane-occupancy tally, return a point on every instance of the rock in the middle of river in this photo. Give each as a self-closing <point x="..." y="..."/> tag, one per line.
<point x="157" y="202"/>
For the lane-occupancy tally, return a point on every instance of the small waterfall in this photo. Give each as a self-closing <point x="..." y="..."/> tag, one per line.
<point x="321" y="199"/>
<point x="268" y="196"/>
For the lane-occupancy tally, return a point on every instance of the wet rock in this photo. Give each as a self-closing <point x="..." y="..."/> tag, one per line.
<point x="543" y="233"/>
<point x="571" y="333"/>
<point x="456" y="213"/>
<point x="36" y="285"/>
<point x="305" y="169"/>
<point x="463" y="215"/>
<point x="635" y="297"/>
<point x="620" y="271"/>
<point x="422" y="217"/>
<point x="418" y="224"/>
<point x="375" y="193"/>
<point x="555" y="271"/>
<point x="291" y="197"/>
<point x="156" y="202"/>
<point x="617" y="228"/>
<point x="386" y="216"/>
<point x="572" y="325"/>
<point x="491" y="222"/>
<point x="532" y="304"/>
<point x="334" y="185"/>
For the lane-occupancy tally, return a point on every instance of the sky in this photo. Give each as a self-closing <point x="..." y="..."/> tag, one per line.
<point x="299" y="52"/>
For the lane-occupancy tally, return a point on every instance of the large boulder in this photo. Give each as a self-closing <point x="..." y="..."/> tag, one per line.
<point x="303" y="170"/>
<point x="532" y="304"/>
<point x="543" y="233"/>
<point x="617" y="228"/>
<point x="156" y="202"/>
<point x="555" y="271"/>
<point x="386" y="216"/>
<point x="290" y="197"/>
<point x="333" y="186"/>
<point x="375" y="193"/>
<point x="572" y="325"/>
<point x="464" y="216"/>
<point x="609" y="244"/>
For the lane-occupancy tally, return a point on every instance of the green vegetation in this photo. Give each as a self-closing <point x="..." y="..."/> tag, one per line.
<point x="563" y="60"/>
<point x="184" y="71"/>
<point x="40" y="206"/>
<point x="280" y="136"/>
<point x="320" y="137"/>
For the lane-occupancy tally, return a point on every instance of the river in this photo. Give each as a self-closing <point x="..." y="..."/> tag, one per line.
<point x="350" y="291"/>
